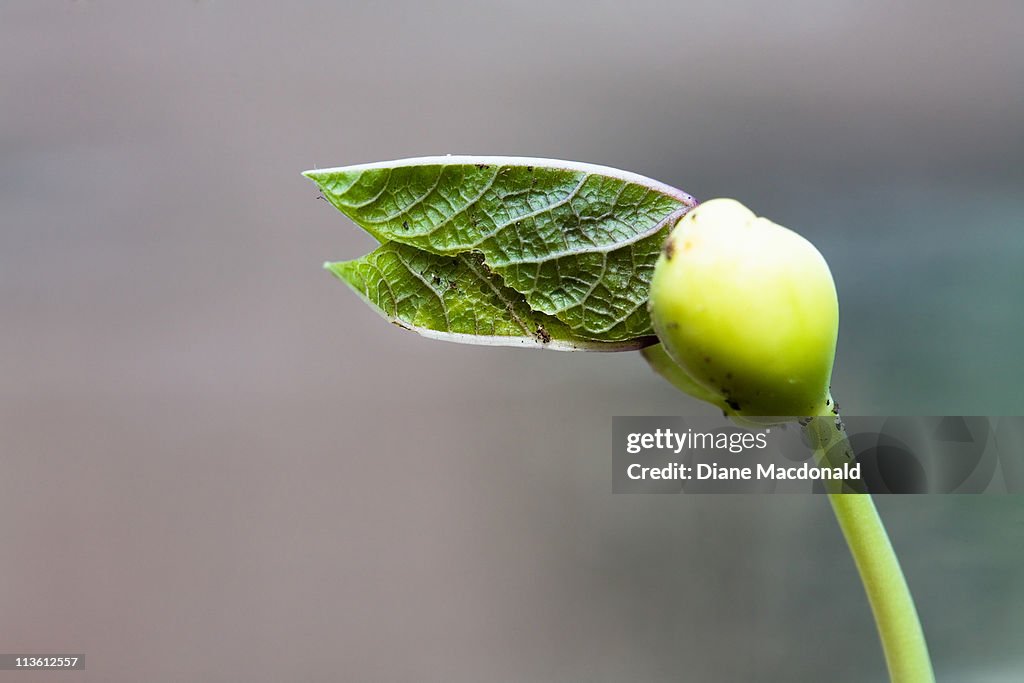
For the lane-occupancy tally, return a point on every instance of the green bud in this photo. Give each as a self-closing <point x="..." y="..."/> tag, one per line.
<point x="664" y="365"/>
<point x="748" y="309"/>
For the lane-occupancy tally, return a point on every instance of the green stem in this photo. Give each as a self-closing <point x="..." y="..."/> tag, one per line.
<point x="906" y="652"/>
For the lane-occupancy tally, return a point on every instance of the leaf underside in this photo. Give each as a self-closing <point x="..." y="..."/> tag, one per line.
<point x="507" y="250"/>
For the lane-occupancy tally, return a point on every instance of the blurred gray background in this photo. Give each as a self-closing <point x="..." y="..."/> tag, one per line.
<point x="219" y="465"/>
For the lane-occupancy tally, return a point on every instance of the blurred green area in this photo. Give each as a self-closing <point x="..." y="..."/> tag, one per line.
<point x="213" y="452"/>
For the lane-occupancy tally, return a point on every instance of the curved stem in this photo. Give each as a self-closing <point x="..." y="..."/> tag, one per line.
<point x="906" y="652"/>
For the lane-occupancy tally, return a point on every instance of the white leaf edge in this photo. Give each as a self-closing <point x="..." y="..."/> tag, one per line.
<point x="558" y="164"/>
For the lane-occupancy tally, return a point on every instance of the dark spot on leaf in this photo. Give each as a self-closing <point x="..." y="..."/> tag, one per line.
<point x="707" y="359"/>
<point x="673" y="325"/>
<point x="728" y="375"/>
<point x="405" y="225"/>
<point x="732" y="403"/>
<point x="482" y="166"/>
<point x="530" y="169"/>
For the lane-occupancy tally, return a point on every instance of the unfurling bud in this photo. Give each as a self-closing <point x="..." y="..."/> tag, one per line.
<point x="748" y="310"/>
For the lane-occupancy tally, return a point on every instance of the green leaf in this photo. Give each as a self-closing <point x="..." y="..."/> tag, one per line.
<point x="457" y="298"/>
<point x="577" y="242"/>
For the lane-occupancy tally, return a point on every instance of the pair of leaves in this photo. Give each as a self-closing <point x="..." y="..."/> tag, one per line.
<point x="507" y="251"/>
